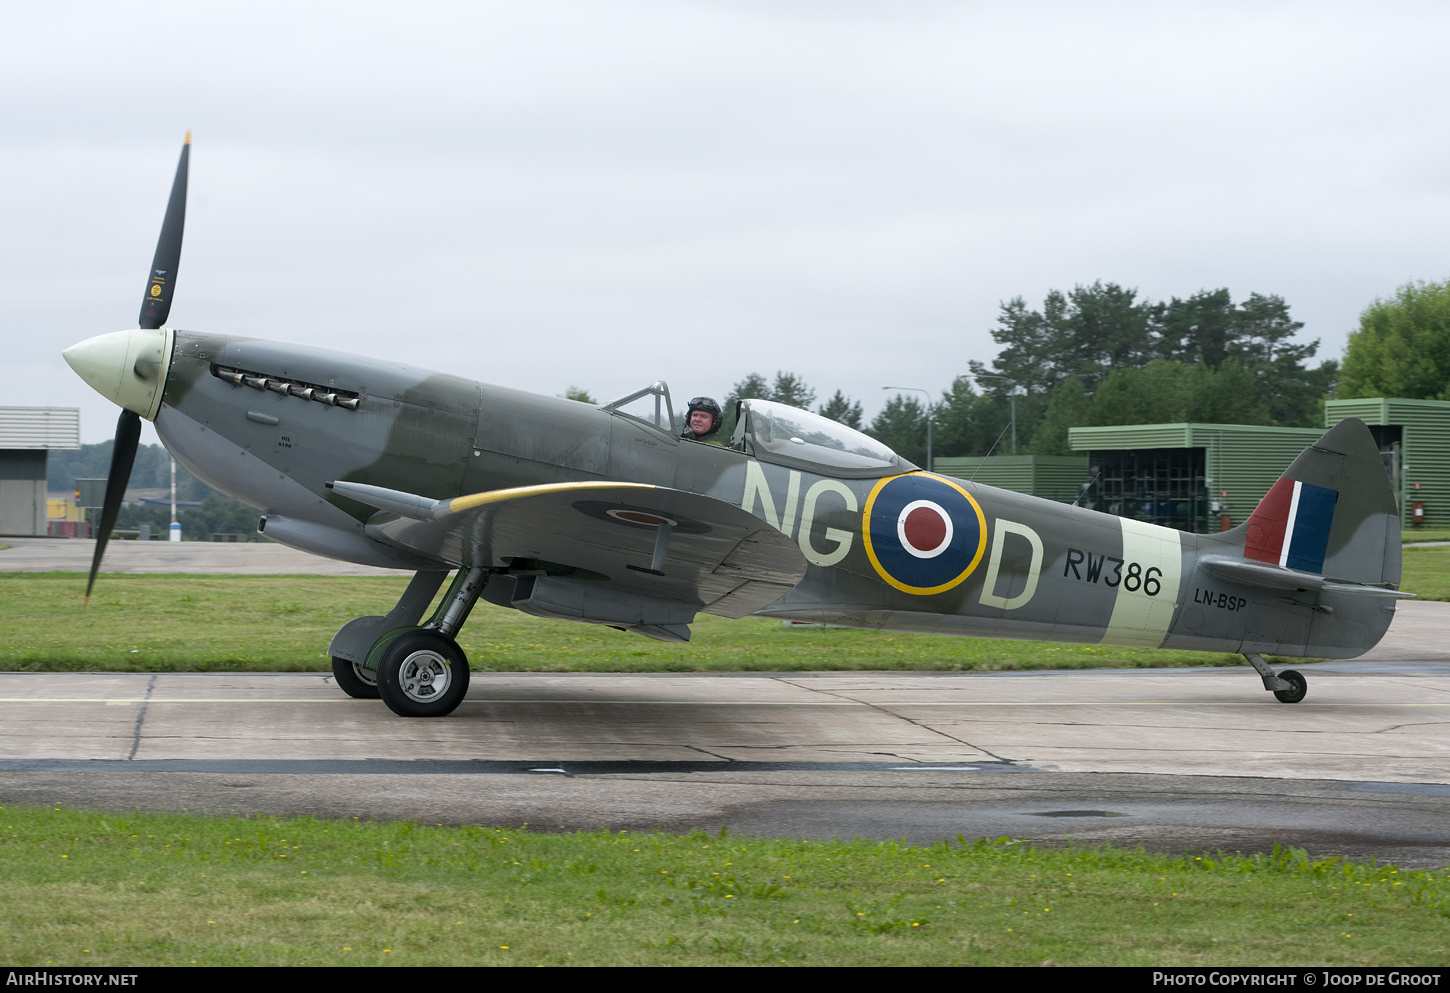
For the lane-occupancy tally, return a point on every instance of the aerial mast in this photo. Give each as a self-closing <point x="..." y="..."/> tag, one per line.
<point x="175" y="526"/>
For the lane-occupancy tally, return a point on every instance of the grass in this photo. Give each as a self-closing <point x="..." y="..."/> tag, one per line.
<point x="1427" y="572"/>
<point x="168" y="623"/>
<point x="180" y="623"/>
<point x="151" y="889"/>
<point x="1409" y="536"/>
<point x="143" y="889"/>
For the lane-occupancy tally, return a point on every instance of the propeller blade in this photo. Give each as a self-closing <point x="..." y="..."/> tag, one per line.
<point x="161" y="283"/>
<point x="123" y="456"/>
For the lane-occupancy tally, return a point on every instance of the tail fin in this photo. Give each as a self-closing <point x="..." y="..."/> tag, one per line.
<point x="1332" y="513"/>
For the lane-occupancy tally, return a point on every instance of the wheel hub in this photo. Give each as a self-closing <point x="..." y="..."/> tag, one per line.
<point x="424" y="676"/>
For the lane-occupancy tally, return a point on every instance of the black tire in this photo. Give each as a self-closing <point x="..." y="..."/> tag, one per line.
<point x="423" y="674"/>
<point x="354" y="680"/>
<point x="1298" y="687"/>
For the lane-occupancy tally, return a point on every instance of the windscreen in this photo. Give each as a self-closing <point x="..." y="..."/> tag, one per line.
<point x="802" y="436"/>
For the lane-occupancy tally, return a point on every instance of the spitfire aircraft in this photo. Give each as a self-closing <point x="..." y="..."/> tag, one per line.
<point x="607" y="515"/>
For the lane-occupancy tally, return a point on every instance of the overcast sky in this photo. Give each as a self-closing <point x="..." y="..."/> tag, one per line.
<point x="602" y="194"/>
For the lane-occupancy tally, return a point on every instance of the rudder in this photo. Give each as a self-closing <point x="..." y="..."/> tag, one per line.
<point x="1332" y="513"/>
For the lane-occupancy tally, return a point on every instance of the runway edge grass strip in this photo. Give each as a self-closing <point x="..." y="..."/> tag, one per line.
<point x="187" y="623"/>
<point x="156" y="889"/>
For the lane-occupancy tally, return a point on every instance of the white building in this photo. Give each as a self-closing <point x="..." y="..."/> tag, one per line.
<point x="26" y="435"/>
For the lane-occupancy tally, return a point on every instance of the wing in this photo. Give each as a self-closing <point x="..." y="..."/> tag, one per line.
<point x="601" y="551"/>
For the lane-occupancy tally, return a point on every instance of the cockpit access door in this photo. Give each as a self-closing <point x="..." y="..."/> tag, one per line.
<point x="643" y="439"/>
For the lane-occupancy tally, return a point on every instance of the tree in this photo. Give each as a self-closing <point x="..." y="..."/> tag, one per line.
<point x="219" y="515"/>
<point x="1294" y="391"/>
<point x="1070" y="406"/>
<point x="1172" y="392"/>
<point x="1108" y="330"/>
<point x="840" y="408"/>
<point x="901" y="426"/>
<point x="1256" y="335"/>
<point x="134" y="514"/>
<point x="791" y="390"/>
<point x="1225" y="362"/>
<point x="967" y="422"/>
<point x="1230" y="394"/>
<point x="1198" y="329"/>
<point x="752" y="387"/>
<point x="1086" y="333"/>
<point x="580" y="394"/>
<point x="788" y="389"/>
<point x="151" y="470"/>
<point x="1035" y="344"/>
<point x="1162" y="392"/>
<point x="1402" y="347"/>
<point x="1155" y="394"/>
<point x="1262" y="333"/>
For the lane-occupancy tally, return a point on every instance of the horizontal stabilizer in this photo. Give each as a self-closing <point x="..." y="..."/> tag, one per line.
<point x="1271" y="577"/>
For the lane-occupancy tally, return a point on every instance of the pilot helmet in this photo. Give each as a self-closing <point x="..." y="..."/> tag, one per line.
<point x="708" y="405"/>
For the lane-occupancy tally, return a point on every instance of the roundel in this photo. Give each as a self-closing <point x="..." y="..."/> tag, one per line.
<point x="646" y="517"/>
<point x="640" y="517"/>
<point x="924" y="534"/>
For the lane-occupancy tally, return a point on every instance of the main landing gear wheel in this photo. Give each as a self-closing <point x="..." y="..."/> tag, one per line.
<point x="354" y="680"/>
<point x="423" y="674"/>
<point x="1298" y="687"/>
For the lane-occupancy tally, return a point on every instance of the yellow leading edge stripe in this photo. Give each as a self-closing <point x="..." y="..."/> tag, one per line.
<point x="458" y="504"/>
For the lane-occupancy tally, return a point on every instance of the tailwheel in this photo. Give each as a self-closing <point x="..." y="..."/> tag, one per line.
<point x="354" y="680"/>
<point x="422" y="674"/>
<point x="1298" y="687"/>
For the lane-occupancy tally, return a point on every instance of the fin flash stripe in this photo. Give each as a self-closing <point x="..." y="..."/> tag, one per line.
<point x="1290" y="526"/>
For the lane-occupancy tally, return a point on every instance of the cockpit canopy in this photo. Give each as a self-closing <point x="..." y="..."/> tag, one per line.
<point x="778" y="433"/>
<point x="774" y="432"/>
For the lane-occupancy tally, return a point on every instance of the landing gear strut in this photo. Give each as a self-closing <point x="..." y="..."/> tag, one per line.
<point x="351" y="645"/>
<point x="418" y="671"/>
<point x="1288" y="686"/>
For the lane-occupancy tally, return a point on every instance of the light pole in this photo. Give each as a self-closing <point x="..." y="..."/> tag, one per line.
<point x="1012" y="397"/>
<point x="918" y="389"/>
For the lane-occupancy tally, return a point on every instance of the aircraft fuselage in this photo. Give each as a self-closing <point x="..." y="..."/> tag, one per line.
<point x="272" y="423"/>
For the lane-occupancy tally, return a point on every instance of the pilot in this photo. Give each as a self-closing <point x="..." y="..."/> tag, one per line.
<point x="702" y="421"/>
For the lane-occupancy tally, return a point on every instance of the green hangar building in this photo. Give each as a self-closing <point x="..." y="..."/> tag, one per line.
<point x="1193" y="477"/>
<point x="1414" y="441"/>
<point x="1210" y="477"/>
<point x="1051" y="477"/>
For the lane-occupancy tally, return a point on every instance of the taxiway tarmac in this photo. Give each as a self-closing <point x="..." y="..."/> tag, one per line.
<point x="1176" y="760"/>
<point x="240" y="558"/>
